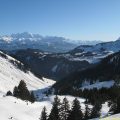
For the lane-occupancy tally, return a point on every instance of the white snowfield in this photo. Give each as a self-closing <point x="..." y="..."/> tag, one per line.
<point x="10" y="77"/>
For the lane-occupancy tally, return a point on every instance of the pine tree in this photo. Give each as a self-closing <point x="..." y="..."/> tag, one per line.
<point x="24" y="93"/>
<point x="32" y="97"/>
<point x="76" y="113"/>
<point x="55" y="111"/>
<point x="95" y="113"/>
<point x="87" y="112"/>
<point x="43" y="114"/>
<point x="65" y="109"/>
<point x="9" y="93"/>
<point x="16" y="92"/>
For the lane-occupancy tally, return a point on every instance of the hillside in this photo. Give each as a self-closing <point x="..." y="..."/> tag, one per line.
<point x="108" y="69"/>
<point x="10" y="75"/>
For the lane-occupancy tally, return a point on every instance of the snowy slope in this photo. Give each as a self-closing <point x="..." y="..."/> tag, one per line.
<point x="10" y="77"/>
<point x="106" y="46"/>
<point x="21" y="110"/>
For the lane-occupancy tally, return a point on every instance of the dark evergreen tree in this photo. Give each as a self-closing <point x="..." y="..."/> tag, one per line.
<point x="76" y="112"/>
<point x="95" y="113"/>
<point x="9" y="93"/>
<point x="55" y="111"/>
<point x="43" y="114"/>
<point x="65" y="109"/>
<point x="87" y="112"/>
<point x="24" y="93"/>
<point x="32" y="97"/>
<point x="16" y="92"/>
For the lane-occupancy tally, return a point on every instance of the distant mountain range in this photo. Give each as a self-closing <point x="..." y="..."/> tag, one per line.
<point x="35" y="41"/>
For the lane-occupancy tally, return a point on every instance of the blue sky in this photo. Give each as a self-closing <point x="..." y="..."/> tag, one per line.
<point x="74" y="19"/>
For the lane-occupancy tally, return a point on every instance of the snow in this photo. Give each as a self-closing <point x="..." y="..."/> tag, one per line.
<point x="19" y="110"/>
<point x="98" y="85"/>
<point x="6" y="38"/>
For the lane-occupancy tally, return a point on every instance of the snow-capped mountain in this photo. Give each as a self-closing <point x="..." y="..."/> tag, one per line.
<point x="113" y="46"/>
<point x="94" y="53"/>
<point x="35" y="41"/>
<point x="11" y="75"/>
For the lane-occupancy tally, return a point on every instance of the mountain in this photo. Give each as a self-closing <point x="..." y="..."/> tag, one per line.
<point x="51" y="65"/>
<point x="104" y="47"/>
<point x="106" y="72"/>
<point x="35" y="41"/>
<point x="95" y="53"/>
<point x="13" y="71"/>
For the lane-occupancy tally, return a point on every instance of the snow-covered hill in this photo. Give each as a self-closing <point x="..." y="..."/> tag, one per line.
<point x="10" y="76"/>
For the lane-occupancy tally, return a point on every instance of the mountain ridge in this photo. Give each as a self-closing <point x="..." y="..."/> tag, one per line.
<point x="36" y="41"/>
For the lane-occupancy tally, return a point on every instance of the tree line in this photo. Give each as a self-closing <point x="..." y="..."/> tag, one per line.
<point x="62" y="111"/>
